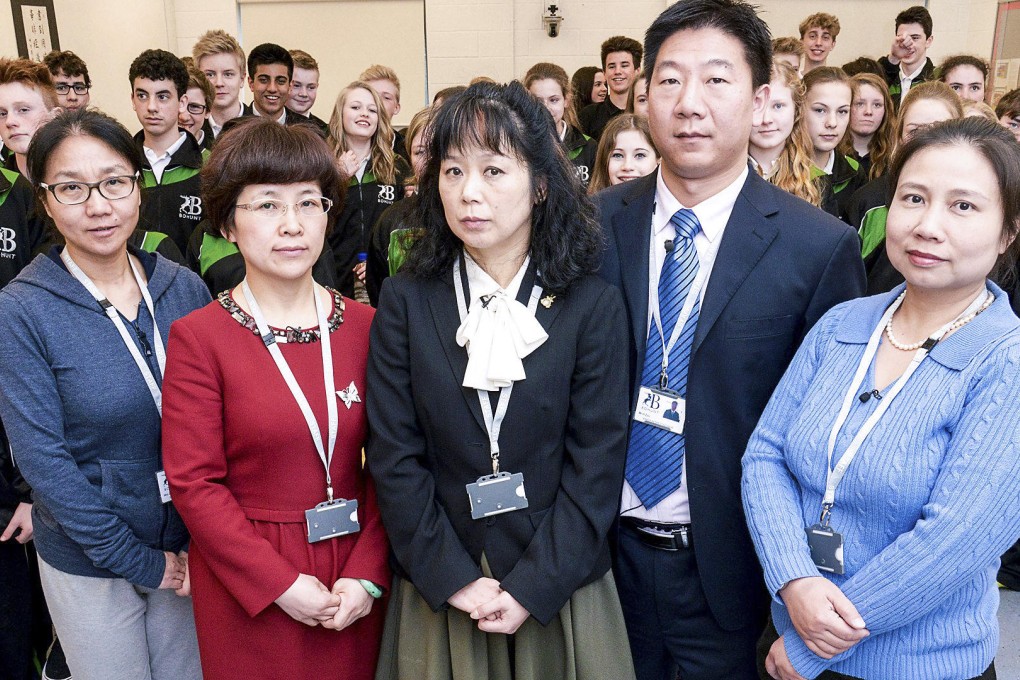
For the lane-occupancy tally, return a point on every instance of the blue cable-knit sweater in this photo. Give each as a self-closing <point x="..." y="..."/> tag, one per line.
<point x="926" y="507"/>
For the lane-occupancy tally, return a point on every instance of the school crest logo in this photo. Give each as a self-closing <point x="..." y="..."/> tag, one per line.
<point x="387" y="192"/>
<point x="582" y="173"/>
<point x="191" y="207"/>
<point x="8" y="242"/>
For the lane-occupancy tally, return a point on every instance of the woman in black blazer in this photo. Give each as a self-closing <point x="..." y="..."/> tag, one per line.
<point x="499" y="534"/>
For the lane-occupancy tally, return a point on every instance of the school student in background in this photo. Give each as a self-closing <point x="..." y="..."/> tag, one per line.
<point x="171" y="158"/>
<point x="361" y="139"/>
<point x="827" y="102"/>
<point x="625" y="152"/>
<point x="1008" y="112"/>
<point x="304" y="88"/>
<point x="818" y="35"/>
<point x="396" y="230"/>
<point x="194" y="117"/>
<point x="548" y="83"/>
<point x="621" y="60"/>
<point x="637" y="98"/>
<point x="967" y="76"/>
<point x="384" y="80"/>
<point x="907" y="63"/>
<point x="589" y="87"/>
<point x="70" y="79"/>
<point x="219" y="56"/>
<point x="788" y="50"/>
<point x="872" y="126"/>
<point x="780" y="148"/>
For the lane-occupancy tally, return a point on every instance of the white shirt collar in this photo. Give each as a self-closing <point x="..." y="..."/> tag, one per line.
<point x="159" y="163"/>
<point x="904" y="76"/>
<point x="282" y="120"/>
<point x="831" y="163"/>
<point x="713" y="213"/>
<point x="218" y="127"/>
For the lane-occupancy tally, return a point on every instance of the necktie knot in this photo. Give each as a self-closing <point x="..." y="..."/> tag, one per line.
<point x="686" y="223"/>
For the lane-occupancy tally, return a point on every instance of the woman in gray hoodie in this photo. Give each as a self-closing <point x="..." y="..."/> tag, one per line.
<point x="81" y="368"/>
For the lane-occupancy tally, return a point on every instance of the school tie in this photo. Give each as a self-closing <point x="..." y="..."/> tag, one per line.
<point x="655" y="456"/>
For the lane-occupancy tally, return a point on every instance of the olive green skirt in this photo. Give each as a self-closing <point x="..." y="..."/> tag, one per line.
<point x="586" y="641"/>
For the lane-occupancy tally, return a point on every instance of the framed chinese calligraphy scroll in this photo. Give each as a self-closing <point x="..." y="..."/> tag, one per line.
<point x="35" y="28"/>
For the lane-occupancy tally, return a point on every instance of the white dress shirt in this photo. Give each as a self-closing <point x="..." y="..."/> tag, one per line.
<point x="159" y="163"/>
<point x="217" y="128"/>
<point x="907" y="80"/>
<point x="713" y="214"/>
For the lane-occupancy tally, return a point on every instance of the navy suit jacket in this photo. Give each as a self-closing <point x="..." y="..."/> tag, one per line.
<point x="782" y="263"/>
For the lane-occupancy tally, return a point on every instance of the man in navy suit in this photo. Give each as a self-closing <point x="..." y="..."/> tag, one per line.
<point x="756" y="268"/>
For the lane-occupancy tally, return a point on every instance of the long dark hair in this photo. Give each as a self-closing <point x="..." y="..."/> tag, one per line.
<point x="505" y="119"/>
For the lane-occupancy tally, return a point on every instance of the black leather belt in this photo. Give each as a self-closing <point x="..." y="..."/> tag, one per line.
<point x="658" y="535"/>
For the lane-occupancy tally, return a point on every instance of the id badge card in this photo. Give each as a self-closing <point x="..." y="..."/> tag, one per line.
<point x="164" y="487"/>
<point x="660" y="408"/>
<point x="496" y="494"/>
<point x="330" y="519"/>
<point x="826" y="548"/>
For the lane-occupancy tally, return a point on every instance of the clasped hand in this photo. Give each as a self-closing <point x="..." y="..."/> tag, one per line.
<point x="826" y="620"/>
<point x="176" y="575"/>
<point x="495" y="609"/>
<point x="310" y="602"/>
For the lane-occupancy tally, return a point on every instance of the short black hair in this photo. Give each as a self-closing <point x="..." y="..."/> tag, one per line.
<point x="269" y="53"/>
<point x="68" y="63"/>
<point x="915" y="15"/>
<point x="78" y="123"/>
<point x="737" y="19"/>
<point x="160" y="65"/>
<point x="565" y="237"/>
<point x="621" y="43"/>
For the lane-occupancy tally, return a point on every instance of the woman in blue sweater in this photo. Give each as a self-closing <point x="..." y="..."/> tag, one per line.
<point x="882" y="563"/>
<point x="81" y="369"/>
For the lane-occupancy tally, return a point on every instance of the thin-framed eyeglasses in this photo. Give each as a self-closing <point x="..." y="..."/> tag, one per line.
<point x="197" y="109"/>
<point x="79" y="88"/>
<point x="74" y="193"/>
<point x="268" y="208"/>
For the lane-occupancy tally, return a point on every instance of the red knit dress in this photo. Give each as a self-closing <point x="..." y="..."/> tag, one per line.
<point x="243" y="469"/>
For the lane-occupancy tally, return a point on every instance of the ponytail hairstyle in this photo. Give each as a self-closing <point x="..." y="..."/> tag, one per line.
<point x="546" y="71"/>
<point x="382" y="161"/>
<point x="607" y="142"/>
<point x="793" y="167"/>
<point x="883" y="140"/>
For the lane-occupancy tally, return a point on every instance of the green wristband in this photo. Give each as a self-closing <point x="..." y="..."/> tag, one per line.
<point x="373" y="590"/>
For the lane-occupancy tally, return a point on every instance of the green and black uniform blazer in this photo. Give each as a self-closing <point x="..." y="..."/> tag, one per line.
<point x="173" y="204"/>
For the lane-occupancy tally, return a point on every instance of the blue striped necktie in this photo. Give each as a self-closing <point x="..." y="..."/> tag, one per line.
<point x="655" y="456"/>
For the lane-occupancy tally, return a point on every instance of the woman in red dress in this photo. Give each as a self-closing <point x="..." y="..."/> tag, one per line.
<point x="263" y="427"/>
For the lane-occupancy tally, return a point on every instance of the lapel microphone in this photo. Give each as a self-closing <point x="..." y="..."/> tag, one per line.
<point x="866" y="396"/>
<point x="668" y="244"/>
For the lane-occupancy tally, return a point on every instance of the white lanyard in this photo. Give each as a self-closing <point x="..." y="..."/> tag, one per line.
<point x="325" y="455"/>
<point x="493" y="421"/>
<point x="685" y="312"/>
<point x="111" y="311"/>
<point x="835" y="475"/>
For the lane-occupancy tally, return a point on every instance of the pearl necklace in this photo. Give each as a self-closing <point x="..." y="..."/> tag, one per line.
<point x="959" y="323"/>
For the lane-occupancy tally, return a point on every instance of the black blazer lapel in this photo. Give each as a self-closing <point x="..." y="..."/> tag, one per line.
<point x="443" y="305"/>
<point x="747" y="236"/>
<point x="632" y="228"/>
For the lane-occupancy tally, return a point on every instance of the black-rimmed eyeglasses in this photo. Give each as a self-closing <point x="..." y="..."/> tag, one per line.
<point x="111" y="188"/>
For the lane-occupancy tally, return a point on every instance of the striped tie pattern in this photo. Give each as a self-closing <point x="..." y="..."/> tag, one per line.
<point x="655" y="456"/>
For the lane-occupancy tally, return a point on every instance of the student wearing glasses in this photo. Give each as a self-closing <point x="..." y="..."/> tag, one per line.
<point x="265" y="423"/>
<point x="81" y="369"/>
<point x="70" y="78"/>
<point x="194" y="116"/>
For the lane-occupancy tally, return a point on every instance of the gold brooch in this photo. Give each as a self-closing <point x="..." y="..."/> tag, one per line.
<point x="547" y="301"/>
